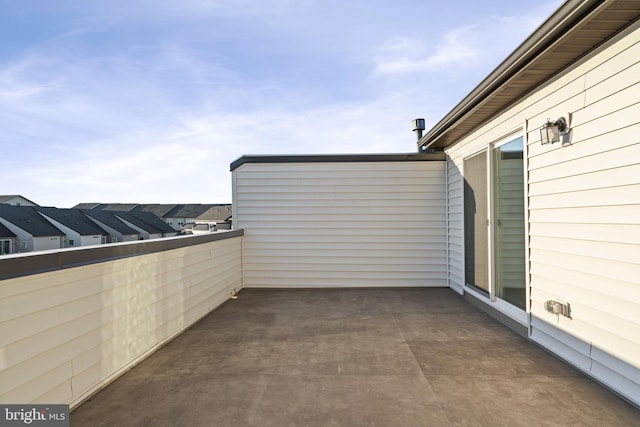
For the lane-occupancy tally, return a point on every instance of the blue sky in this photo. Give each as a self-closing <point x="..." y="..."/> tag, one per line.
<point x="150" y="101"/>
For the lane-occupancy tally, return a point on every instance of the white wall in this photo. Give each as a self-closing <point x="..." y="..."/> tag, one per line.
<point x="65" y="333"/>
<point x="91" y="240"/>
<point x="43" y="243"/>
<point x="583" y="211"/>
<point x="342" y="224"/>
<point x="70" y="234"/>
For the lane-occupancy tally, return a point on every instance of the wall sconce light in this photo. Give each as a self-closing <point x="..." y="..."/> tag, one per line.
<point x="551" y="132"/>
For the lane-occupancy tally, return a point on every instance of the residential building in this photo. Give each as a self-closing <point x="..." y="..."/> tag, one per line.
<point x="218" y="216"/>
<point x="78" y="228"/>
<point x="176" y="215"/>
<point x="147" y="224"/>
<point x="16" y="200"/>
<point x="7" y="240"/>
<point x="213" y="219"/>
<point x="185" y="214"/>
<point x="33" y="232"/>
<point x="118" y="231"/>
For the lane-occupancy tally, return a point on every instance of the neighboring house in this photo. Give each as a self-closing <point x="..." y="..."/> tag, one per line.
<point x="86" y="206"/>
<point x="159" y="210"/>
<point x="16" y="200"/>
<point x="175" y="215"/>
<point x="184" y="214"/>
<point x="146" y="224"/>
<point x="7" y="240"/>
<point x="118" y="231"/>
<point x="79" y="230"/>
<point x="545" y="236"/>
<point x="117" y="206"/>
<point x="154" y="220"/>
<point x="215" y="218"/>
<point x="33" y="232"/>
<point x="199" y="228"/>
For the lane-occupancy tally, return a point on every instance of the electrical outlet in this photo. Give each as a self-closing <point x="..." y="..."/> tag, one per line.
<point x="558" y="308"/>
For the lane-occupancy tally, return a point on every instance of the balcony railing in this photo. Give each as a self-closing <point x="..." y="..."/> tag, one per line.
<point x="72" y="320"/>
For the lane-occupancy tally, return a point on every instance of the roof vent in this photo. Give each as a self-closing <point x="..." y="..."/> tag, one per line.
<point x="418" y="127"/>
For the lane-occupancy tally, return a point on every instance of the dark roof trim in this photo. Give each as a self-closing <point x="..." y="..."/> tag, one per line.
<point x="547" y="36"/>
<point x="36" y="263"/>
<point x="338" y="158"/>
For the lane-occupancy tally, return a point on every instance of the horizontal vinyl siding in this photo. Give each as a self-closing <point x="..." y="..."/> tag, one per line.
<point x="342" y="224"/>
<point x="66" y="333"/>
<point x="455" y="227"/>
<point x="584" y="210"/>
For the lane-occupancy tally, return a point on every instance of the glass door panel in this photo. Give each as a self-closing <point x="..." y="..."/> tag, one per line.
<point x="509" y="229"/>
<point x="476" y="236"/>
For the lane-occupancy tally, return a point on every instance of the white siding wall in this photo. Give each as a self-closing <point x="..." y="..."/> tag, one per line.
<point x="584" y="211"/>
<point x="70" y="234"/>
<point x="455" y="226"/>
<point x="342" y="224"/>
<point x="43" y="243"/>
<point x="64" y="334"/>
<point x="90" y="240"/>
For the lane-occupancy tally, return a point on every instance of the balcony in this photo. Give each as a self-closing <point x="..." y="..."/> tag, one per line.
<point x="364" y="320"/>
<point x="352" y="357"/>
<point x="384" y="356"/>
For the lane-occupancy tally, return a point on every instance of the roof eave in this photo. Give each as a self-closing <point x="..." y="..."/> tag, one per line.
<point x="548" y="35"/>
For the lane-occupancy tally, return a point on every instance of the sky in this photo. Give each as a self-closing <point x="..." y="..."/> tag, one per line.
<point x="147" y="101"/>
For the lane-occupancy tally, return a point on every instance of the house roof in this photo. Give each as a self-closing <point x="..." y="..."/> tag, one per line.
<point x="86" y="206"/>
<point x="574" y="30"/>
<point x="28" y="219"/>
<point x="121" y="207"/>
<point x="146" y="221"/>
<point x="5" y="232"/>
<point x="4" y="198"/>
<point x="74" y="219"/>
<point x="192" y="210"/>
<point x="216" y="213"/>
<point x="161" y="210"/>
<point x="110" y="220"/>
<point x="158" y="209"/>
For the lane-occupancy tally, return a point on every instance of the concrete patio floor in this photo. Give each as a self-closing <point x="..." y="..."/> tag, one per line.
<point x="352" y="357"/>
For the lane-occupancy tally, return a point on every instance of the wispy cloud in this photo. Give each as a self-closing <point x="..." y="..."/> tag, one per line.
<point x="411" y="55"/>
<point x="150" y="103"/>
<point x="465" y="46"/>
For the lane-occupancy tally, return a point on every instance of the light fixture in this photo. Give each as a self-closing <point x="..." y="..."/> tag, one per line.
<point x="551" y="132"/>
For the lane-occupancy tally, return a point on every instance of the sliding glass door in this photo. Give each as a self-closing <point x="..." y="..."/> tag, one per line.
<point x="509" y="226"/>
<point x="494" y="226"/>
<point x="476" y="237"/>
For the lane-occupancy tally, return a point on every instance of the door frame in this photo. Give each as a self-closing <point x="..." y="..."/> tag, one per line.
<point x="513" y="312"/>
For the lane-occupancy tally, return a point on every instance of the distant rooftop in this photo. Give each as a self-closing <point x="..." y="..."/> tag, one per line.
<point x="162" y="210"/>
<point x="28" y="219"/>
<point x="75" y="219"/>
<point x="109" y="219"/>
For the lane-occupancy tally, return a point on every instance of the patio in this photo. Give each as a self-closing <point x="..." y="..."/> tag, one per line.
<point x="375" y="356"/>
